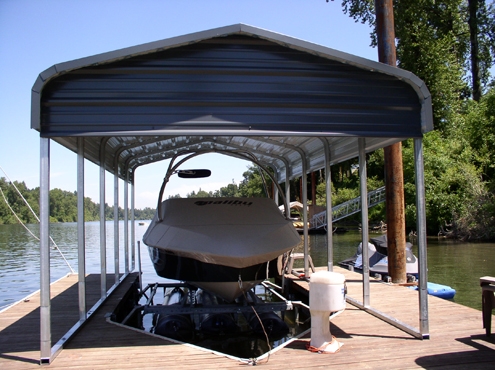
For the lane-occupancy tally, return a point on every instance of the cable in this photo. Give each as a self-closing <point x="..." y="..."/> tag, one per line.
<point x="35" y="215"/>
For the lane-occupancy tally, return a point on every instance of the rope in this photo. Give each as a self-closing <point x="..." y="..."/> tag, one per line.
<point x="310" y="348"/>
<point x="24" y="226"/>
<point x="35" y="215"/>
<point x="253" y="361"/>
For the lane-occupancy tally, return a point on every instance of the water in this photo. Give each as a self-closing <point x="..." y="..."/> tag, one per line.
<point x="453" y="263"/>
<point x="450" y="262"/>
<point x="20" y="256"/>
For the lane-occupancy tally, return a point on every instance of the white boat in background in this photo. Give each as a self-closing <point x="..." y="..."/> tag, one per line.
<point x="223" y="245"/>
<point x="378" y="265"/>
<point x="378" y="260"/>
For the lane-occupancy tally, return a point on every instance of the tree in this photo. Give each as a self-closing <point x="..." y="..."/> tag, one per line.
<point x="63" y="206"/>
<point x="434" y="42"/>
<point x="482" y="38"/>
<point x="252" y="184"/>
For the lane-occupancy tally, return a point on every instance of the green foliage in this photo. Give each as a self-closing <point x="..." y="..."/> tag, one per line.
<point x="458" y="170"/>
<point x="231" y="190"/>
<point x="449" y="174"/>
<point x="199" y="194"/>
<point x="252" y="184"/>
<point x="63" y="206"/>
<point x="144" y="214"/>
<point x="479" y="130"/>
<point x="16" y="202"/>
<point x="433" y="41"/>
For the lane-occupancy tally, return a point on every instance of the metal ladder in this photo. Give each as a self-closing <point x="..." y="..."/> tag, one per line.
<point x="348" y="208"/>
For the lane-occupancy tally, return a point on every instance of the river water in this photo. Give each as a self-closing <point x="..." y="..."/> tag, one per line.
<point x="453" y="263"/>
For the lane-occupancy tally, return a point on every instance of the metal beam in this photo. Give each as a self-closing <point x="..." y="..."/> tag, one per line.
<point x="133" y="227"/>
<point x="287" y="187"/>
<point x="103" y="229"/>
<point x="45" y="303"/>
<point x="305" y="214"/>
<point x="126" y="221"/>
<point x="387" y="318"/>
<point x="328" y="190"/>
<point x="364" y="221"/>
<point x="116" y="222"/>
<point x="81" y="247"/>
<point x="421" y="227"/>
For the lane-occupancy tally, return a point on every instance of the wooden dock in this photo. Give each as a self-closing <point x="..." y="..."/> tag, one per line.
<point x="457" y="338"/>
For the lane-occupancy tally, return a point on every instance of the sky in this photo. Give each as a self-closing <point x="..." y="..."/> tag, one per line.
<point x="34" y="35"/>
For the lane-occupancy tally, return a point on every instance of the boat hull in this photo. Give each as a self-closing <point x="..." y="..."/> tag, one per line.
<point x="224" y="281"/>
<point x="237" y="242"/>
<point x="181" y="268"/>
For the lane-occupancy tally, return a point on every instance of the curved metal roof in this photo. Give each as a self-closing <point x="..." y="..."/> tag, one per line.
<point x="235" y="87"/>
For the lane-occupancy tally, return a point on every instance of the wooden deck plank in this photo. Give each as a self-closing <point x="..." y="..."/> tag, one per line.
<point x="457" y="336"/>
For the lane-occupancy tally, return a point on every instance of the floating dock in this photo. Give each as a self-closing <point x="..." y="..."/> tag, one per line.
<point x="457" y="338"/>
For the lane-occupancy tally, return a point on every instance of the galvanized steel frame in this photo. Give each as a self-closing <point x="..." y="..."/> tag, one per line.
<point x="124" y="155"/>
<point x="421" y="333"/>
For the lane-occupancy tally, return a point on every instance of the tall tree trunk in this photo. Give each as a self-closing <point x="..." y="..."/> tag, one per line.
<point x="475" y="62"/>
<point x="394" y="178"/>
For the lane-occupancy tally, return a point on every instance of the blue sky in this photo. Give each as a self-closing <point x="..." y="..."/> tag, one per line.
<point x="34" y="35"/>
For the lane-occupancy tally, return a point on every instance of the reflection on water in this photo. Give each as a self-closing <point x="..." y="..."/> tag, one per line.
<point x="20" y="256"/>
<point x="453" y="263"/>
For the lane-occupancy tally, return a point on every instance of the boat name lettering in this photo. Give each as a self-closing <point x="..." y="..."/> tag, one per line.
<point x="230" y="202"/>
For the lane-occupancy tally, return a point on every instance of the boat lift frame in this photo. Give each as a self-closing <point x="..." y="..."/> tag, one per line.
<point x="150" y="308"/>
<point x="128" y="156"/>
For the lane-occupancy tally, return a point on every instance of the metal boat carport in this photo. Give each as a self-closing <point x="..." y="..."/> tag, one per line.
<point x="297" y="106"/>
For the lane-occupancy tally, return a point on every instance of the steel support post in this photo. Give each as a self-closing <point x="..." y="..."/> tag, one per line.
<point x="116" y="222"/>
<point x="287" y="187"/>
<point x="328" y="190"/>
<point x="103" y="229"/>
<point x="45" y="304"/>
<point x="133" y="227"/>
<point x="421" y="226"/>
<point x="364" y="221"/>
<point x="305" y="215"/>
<point x="81" y="247"/>
<point x="126" y="222"/>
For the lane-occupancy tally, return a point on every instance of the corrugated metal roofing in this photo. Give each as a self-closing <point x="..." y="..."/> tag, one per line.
<point x="234" y="87"/>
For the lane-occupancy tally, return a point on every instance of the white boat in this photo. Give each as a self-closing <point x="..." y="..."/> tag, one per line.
<point x="223" y="245"/>
<point x="378" y="260"/>
<point x="378" y="265"/>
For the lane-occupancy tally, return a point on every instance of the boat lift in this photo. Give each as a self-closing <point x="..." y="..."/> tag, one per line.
<point x="299" y="107"/>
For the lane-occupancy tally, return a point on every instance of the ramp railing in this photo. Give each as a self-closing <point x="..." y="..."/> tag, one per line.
<point x="348" y="208"/>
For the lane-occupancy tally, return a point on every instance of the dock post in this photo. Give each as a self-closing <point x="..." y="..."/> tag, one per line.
<point x="287" y="187"/>
<point x="421" y="226"/>
<point x="126" y="221"/>
<point x="304" y="179"/>
<point x="116" y="220"/>
<point x="103" y="229"/>
<point x="133" y="226"/>
<point x="81" y="246"/>
<point x="45" y="303"/>
<point x="328" y="190"/>
<point x="394" y="178"/>
<point x="364" y="221"/>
